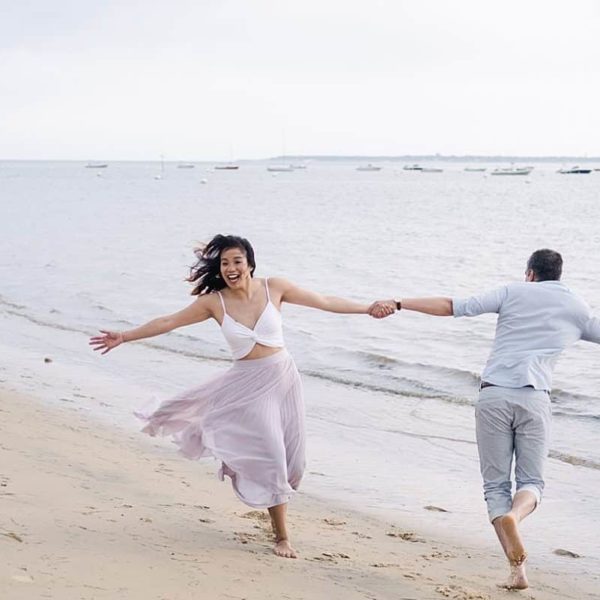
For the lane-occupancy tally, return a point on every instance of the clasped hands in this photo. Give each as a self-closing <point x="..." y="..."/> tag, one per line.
<point x="382" y="308"/>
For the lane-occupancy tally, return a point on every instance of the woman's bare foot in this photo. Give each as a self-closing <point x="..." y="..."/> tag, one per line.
<point x="284" y="549"/>
<point x="517" y="579"/>
<point x="508" y="531"/>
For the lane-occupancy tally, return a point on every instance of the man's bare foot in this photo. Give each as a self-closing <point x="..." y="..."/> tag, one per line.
<point x="513" y="544"/>
<point x="517" y="579"/>
<point x="284" y="549"/>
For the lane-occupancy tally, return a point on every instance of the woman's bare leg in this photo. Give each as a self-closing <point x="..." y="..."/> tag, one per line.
<point x="282" y="543"/>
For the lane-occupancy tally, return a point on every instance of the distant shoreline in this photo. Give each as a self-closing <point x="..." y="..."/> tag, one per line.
<point x="409" y="158"/>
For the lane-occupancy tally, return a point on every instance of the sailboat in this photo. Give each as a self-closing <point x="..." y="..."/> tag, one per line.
<point x="162" y="168"/>
<point x="230" y="165"/>
<point x="281" y="167"/>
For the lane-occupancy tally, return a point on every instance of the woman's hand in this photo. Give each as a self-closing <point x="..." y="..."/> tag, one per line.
<point x="107" y="341"/>
<point x="382" y="308"/>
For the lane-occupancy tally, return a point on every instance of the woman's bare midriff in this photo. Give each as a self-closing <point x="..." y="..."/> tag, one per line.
<point x="260" y="351"/>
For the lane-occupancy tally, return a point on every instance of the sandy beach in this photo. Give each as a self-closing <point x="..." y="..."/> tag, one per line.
<point x="89" y="512"/>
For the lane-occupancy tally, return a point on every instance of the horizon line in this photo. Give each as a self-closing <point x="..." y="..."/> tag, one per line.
<point x="324" y="157"/>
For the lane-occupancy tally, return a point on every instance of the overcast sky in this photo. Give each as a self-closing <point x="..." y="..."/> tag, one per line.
<point x="220" y="79"/>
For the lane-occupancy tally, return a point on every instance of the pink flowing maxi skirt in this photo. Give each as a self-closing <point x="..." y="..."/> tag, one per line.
<point x="251" y="418"/>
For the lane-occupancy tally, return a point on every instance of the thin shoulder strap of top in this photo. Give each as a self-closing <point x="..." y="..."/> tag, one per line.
<point x="267" y="288"/>
<point x="222" y="303"/>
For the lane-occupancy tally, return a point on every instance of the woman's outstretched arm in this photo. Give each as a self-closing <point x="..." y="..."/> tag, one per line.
<point x="198" y="311"/>
<point x="437" y="306"/>
<point x="293" y="294"/>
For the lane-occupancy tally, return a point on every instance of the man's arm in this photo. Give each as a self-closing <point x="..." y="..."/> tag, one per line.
<point x="439" y="307"/>
<point x="591" y="331"/>
<point x="487" y="302"/>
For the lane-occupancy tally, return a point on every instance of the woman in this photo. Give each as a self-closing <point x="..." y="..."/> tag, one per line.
<point x="251" y="417"/>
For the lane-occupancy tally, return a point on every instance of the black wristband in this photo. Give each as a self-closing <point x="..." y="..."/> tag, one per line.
<point x="398" y="304"/>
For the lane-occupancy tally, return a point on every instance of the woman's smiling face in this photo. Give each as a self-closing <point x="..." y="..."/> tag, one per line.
<point x="235" y="270"/>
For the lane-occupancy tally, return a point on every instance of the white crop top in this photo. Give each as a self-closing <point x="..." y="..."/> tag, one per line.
<point x="267" y="330"/>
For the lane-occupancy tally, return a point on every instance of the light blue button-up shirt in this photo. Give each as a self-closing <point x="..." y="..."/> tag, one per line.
<point x="536" y="322"/>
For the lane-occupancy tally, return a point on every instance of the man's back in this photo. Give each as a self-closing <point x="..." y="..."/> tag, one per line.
<point x="536" y="322"/>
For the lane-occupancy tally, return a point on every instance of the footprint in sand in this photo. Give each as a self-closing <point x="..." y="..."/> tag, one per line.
<point x="458" y="593"/>
<point x="262" y="521"/>
<point x="362" y="536"/>
<point x="325" y="557"/>
<point x="258" y="515"/>
<point x="334" y="522"/>
<point x="407" y="536"/>
<point x="438" y="556"/>
<point x="244" y="538"/>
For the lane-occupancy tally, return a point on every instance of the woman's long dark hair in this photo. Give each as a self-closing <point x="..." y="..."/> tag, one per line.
<point x="206" y="273"/>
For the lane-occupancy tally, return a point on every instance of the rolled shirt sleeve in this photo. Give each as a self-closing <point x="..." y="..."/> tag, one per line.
<point x="591" y="330"/>
<point x="486" y="302"/>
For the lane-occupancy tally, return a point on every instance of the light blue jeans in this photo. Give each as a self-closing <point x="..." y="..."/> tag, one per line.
<point x="512" y="422"/>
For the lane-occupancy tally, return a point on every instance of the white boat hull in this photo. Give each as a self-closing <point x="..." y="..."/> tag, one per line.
<point x="369" y="168"/>
<point x="511" y="171"/>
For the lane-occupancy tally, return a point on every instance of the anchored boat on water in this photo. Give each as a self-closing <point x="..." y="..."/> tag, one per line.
<point x="368" y="167"/>
<point x="574" y="171"/>
<point x="512" y="171"/>
<point x="280" y="168"/>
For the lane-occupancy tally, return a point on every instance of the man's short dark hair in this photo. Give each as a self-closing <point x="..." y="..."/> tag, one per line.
<point x="546" y="265"/>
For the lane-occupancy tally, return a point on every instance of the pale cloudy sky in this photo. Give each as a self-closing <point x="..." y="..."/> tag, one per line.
<point x="214" y="79"/>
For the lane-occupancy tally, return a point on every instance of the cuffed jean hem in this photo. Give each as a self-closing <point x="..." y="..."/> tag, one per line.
<point x="497" y="511"/>
<point x="495" y="514"/>
<point x="529" y="487"/>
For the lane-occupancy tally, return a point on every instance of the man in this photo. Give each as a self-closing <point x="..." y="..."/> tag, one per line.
<point x="537" y="320"/>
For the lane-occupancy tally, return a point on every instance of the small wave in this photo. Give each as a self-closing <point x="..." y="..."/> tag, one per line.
<point x="44" y="323"/>
<point x="468" y="377"/>
<point x="186" y="353"/>
<point x="371" y="371"/>
<point x="102" y="308"/>
<point x="425" y="392"/>
<point x="378" y="359"/>
<point x="574" y="460"/>
<point x="5" y="302"/>
<point x="74" y="329"/>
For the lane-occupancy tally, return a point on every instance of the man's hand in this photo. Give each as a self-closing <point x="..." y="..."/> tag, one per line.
<point x="382" y="308"/>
